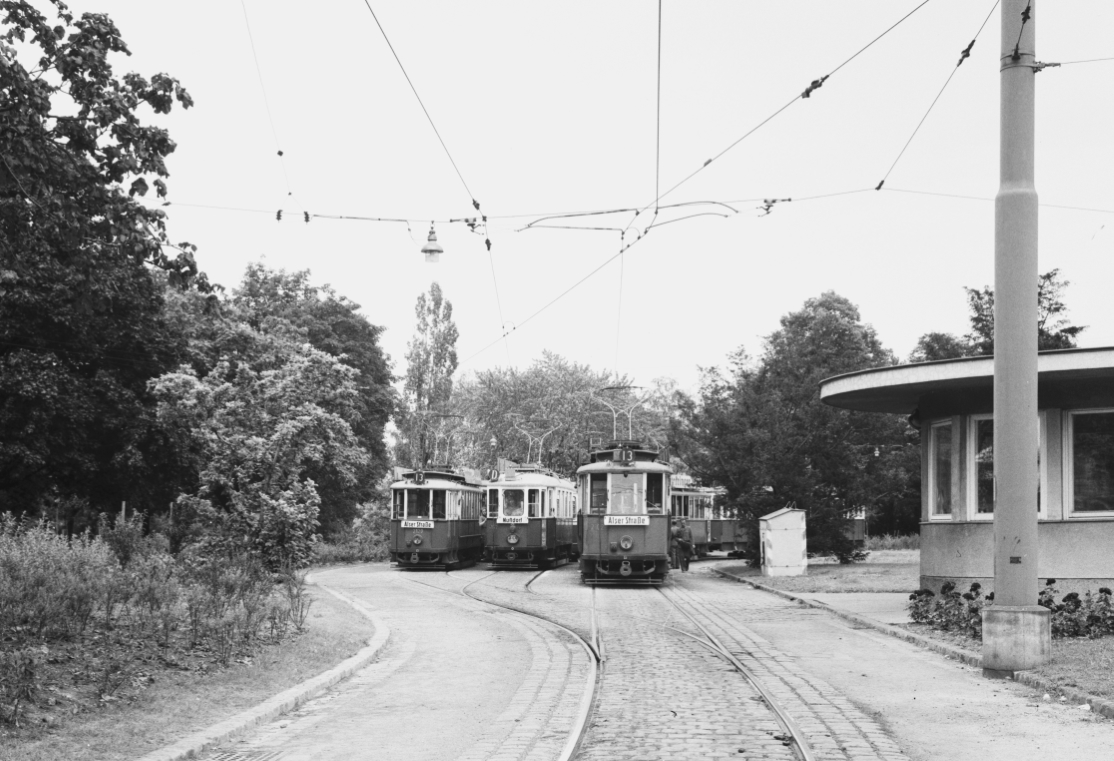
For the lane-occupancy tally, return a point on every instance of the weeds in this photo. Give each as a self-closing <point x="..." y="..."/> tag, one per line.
<point x="110" y="602"/>
<point x="893" y="542"/>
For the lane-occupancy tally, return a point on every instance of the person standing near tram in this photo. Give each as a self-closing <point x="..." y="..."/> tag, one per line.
<point x="686" y="538"/>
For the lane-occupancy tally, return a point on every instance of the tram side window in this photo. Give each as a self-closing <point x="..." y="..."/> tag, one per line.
<point x="417" y="503"/>
<point x="599" y="493"/>
<point x="675" y="508"/>
<point x="400" y="503"/>
<point x="514" y="503"/>
<point x="532" y="501"/>
<point x="654" y="488"/>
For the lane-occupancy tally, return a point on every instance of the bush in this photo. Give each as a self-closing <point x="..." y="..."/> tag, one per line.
<point x="71" y="593"/>
<point x="365" y="540"/>
<point x="950" y="611"/>
<point x="1074" y="616"/>
<point x="893" y="542"/>
<point x="1089" y="615"/>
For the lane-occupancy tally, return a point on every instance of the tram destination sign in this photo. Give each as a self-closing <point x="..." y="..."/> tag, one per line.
<point x="417" y="524"/>
<point x="512" y="519"/>
<point x="626" y="520"/>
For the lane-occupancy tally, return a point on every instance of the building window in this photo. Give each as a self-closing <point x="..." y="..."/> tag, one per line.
<point x="980" y="464"/>
<point x="940" y="463"/>
<point x="1091" y="444"/>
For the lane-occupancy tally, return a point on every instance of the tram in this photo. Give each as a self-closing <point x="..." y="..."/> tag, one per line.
<point x="624" y="527"/>
<point x="702" y="507"/>
<point x="531" y="515"/>
<point x="436" y="519"/>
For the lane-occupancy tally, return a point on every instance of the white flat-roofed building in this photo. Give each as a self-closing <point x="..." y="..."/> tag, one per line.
<point x="953" y="403"/>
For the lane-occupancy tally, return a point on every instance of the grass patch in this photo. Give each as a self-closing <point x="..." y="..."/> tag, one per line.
<point x="1086" y="664"/>
<point x="882" y="571"/>
<point x="173" y="703"/>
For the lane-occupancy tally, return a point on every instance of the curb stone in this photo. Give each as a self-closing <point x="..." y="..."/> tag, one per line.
<point x="198" y="743"/>
<point x="1098" y="705"/>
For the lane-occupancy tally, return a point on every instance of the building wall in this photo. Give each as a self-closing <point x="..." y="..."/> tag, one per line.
<point x="1078" y="552"/>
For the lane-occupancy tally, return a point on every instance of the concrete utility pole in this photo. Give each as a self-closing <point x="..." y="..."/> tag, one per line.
<point x="1016" y="631"/>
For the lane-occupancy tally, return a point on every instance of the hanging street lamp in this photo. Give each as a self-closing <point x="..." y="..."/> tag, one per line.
<point x="432" y="249"/>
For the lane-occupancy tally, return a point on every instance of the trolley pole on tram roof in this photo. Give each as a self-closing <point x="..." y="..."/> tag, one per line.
<point x="1016" y="631"/>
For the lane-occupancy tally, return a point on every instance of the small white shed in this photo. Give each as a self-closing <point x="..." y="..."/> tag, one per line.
<point x="782" y="535"/>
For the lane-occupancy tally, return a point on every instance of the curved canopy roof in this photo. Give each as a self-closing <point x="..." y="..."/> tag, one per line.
<point x="1066" y="378"/>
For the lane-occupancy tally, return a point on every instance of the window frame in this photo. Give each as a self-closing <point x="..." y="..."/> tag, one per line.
<point x="1069" y="466"/>
<point x="932" y="486"/>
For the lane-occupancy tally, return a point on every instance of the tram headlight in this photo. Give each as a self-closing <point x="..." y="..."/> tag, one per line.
<point x="512" y="539"/>
<point x="626" y="543"/>
<point x="417" y="540"/>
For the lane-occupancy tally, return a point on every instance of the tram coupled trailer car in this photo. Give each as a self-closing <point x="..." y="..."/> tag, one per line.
<point x="694" y="504"/>
<point x="531" y="518"/>
<point x="436" y="519"/>
<point x="625" y="522"/>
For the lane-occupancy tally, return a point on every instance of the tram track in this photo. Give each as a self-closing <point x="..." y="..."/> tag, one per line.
<point x="591" y="645"/>
<point x="709" y="641"/>
<point x="793" y="731"/>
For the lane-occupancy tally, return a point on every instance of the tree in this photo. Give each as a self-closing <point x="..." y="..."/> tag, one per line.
<point x="273" y="301"/>
<point x="763" y="433"/>
<point x="1053" y="329"/>
<point x="257" y="426"/>
<point x="548" y="413"/>
<point x="81" y="331"/>
<point x="430" y="364"/>
<point x="932" y="347"/>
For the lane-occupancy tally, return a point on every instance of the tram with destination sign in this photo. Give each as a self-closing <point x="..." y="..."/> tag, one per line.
<point x="624" y="524"/>
<point x="437" y="518"/>
<point x="531" y="518"/>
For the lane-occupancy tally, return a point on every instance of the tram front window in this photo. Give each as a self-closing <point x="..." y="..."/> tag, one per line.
<point x="417" y="503"/>
<point x="654" y="496"/>
<point x="438" y="504"/>
<point x="400" y="503"/>
<point x="626" y="494"/>
<point x="532" y="502"/>
<point x="513" y="503"/>
<point x="492" y="503"/>
<point x="599" y="493"/>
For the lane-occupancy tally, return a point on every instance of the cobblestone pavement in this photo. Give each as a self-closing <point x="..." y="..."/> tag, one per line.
<point x="458" y="680"/>
<point x="836" y="728"/>
<point x="662" y="695"/>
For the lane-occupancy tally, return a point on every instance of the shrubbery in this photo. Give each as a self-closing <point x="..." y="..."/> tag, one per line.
<point x="1089" y="615"/>
<point x="893" y="542"/>
<point x="105" y="604"/>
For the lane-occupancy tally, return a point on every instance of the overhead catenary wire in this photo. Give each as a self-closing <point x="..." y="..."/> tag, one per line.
<point x="448" y="153"/>
<point x="266" y="100"/>
<point x="421" y="103"/>
<point x="807" y="93"/>
<point x="963" y="56"/>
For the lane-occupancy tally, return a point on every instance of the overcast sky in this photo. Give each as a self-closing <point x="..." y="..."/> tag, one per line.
<point x="551" y="107"/>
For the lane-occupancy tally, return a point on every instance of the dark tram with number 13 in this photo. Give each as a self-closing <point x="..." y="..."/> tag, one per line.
<point x="624" y="527"/>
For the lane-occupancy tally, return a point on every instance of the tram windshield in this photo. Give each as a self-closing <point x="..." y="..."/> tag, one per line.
<point x="654" y="493"/>
<point x="417" y="503"/>
<point x="513" y="503"/>
<point x="627" y="494"/>
<point x="598" y="493"/>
